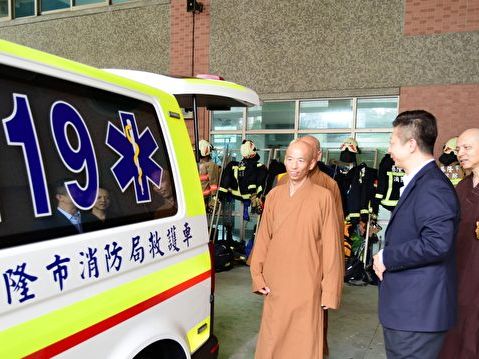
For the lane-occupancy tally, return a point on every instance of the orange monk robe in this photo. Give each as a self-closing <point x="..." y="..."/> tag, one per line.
<point x="298" y="255"/>
<point x="323" y="180"/>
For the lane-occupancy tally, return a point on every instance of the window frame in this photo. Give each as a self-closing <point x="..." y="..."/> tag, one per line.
<point x="38" y="10"/>
<point x="296" y="131"/>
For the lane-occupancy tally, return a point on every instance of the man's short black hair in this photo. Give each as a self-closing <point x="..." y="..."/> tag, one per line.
<point x="59" y="186"/>
<point x="421" y="126"/>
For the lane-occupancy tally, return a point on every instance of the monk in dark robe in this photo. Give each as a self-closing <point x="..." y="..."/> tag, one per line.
<point x="322" y="180"/>
<point x="297" y="262"/>
<point x="462" y="341"/>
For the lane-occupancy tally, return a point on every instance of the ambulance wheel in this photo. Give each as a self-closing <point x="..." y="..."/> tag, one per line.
<point x="165" y="349"/>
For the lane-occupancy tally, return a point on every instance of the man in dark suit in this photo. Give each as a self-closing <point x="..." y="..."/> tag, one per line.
<point x="417" y="293"/>
<point x="66" y="219"/>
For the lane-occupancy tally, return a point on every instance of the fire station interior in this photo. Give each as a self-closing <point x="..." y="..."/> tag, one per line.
<point x="340" y="71"/>
<point x="248" y="146"/>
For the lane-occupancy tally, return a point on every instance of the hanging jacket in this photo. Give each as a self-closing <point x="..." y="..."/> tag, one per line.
<point x="454" y="172"/>
<point x="275" y="168"/>
<point x="362" y="184"/>
<point x="244" y="179"/>
<point x="389" y="183"/>
<point x="209" y="177"/>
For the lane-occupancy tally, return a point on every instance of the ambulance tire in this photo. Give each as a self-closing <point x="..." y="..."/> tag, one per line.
<point x="165" y="349"/>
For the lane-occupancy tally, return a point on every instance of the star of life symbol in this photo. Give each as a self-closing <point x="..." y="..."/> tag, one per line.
<point x="135" y="164"/>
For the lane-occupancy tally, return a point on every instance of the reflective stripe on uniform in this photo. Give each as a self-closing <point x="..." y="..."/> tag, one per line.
<point x="390" y="203"/>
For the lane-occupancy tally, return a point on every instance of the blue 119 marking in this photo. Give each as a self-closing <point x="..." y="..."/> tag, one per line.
<point x="78" y="159"/>
<point x="20" y="131"/>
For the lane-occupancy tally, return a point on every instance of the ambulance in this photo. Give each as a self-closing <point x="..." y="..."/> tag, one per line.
<point x="136" y="282"/>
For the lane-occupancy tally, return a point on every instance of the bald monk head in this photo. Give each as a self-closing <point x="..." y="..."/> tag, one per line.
<point x="468" y="151"/>
<point x="315" y="144"/>
<point x="299" y="161"/>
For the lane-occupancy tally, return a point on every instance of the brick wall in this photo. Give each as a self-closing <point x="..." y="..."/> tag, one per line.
<point x="439" y="16"/>
<point x="182" y="60"/>
<point x="456" y="107"/>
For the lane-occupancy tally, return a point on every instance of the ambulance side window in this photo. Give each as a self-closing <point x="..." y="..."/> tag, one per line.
<point x="70" y="146"/>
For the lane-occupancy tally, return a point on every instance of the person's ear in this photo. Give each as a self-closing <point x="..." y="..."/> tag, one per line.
<point x="312" y="164"/>
<point x="412" y="145"/>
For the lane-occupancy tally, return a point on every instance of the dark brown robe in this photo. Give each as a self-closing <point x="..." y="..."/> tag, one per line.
<point x="462" y="341"/>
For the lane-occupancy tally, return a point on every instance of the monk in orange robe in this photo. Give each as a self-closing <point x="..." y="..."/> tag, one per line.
<point x="297" y="262"/>
<point x="323" y="180"/>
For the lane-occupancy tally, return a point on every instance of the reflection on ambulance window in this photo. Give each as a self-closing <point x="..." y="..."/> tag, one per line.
<point x="165" y="200"/>
<point x="55" y="130"/>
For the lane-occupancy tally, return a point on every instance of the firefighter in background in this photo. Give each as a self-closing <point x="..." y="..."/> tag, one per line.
<point x="449" y="164"/>
<point x="209" y="174"/>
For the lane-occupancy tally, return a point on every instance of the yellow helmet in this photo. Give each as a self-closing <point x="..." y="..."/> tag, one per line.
<point x="450" y="146"/>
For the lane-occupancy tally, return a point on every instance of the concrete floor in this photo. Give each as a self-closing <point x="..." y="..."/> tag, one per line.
<point x="354" y="330"/>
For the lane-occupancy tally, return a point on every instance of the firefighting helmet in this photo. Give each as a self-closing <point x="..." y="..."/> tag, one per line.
<point x="205" y="148"/>
<point x="351" y="145"/>
<point x="450" y="146"/>
<point x="248" y="149"/>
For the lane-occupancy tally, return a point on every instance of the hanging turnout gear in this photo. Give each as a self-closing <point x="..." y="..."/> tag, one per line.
<point x="209" y="174"/>
<point x="349" y="148"/>
<point x="389" y="183"/>
<point x="449" y="163"/>
<point x="362" y="181"/>
<point x="245" y="180"/>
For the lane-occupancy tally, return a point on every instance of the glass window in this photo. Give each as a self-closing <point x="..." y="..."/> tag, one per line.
<point x="226" y="141"/>
<point x="376" y="112"/>
<point x="330" y="144"/>
<point x="227" y="120"/>
<point x="379" y="140"/>
<point x="24" y="8"/>
<point x="269" y="142"/>
<point x="86" y="154"/>
<point x="3" y="8"/>
<point x="86" y="2"/>
<point x="330" y="140"/>
<point x="324" y="114"/>
<point x="272" y="115"/>
<point x="48" y="5"/>
<point x="229" y="144"/>
<point x="372" y="140"/>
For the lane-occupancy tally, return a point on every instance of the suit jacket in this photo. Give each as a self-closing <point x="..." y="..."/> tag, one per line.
<point x="57" y="225"/>
<point x="418" y="291"/>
